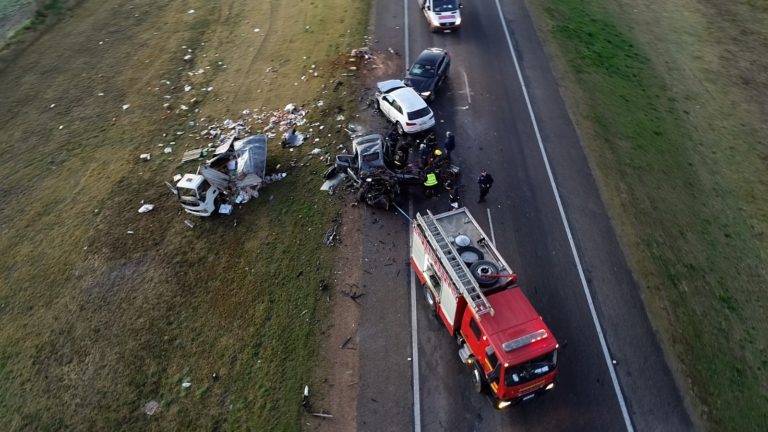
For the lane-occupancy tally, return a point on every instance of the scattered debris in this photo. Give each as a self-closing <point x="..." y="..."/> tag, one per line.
<point x="324" y="415"/>
<point x="190" y="155"/>
<point x="330" y="236"/>
<point x="126" y="106"/>
<point x="145" y="156"/>
<point x="292" y="138"/>
<point x="346" y="341"/>
<point x="305" y="396"/>
<point x="186" y="384"/>
<point x="189" y="223"/>
<point x="316" y="152"/>
<point x="151" y="407"/>
<point x="167" y="150"/>
<point x="146" y="208"/>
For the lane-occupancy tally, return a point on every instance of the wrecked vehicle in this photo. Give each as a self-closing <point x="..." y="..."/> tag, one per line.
<point x="378" y="184"/>
<point x="233" y="175"/>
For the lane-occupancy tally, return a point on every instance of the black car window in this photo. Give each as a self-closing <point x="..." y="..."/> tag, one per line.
<point x="422" y="70"/>
<point x="419" y="113"/>
<point x="397" y="106"/>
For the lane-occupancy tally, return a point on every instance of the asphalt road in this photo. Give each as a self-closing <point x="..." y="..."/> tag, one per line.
<point x="484" y="105"/>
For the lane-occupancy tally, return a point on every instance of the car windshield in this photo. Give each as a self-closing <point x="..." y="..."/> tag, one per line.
<point x="419" y="113"/>
<point x="422" y="70"/>
<point x="522" y="373"/>
<point x="445" y="5"/>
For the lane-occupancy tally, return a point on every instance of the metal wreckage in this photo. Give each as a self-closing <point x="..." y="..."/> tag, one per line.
<point x="378" y="167"/>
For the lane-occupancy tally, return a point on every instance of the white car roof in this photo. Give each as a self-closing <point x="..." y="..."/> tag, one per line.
<point x="408" y="99"/>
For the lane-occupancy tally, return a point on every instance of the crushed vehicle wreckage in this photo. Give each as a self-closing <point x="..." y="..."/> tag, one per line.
<point x="234" y="175"/>
<point x="376" y="169"/>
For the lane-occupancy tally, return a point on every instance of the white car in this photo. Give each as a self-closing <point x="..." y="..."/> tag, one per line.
<point x="403" y="107"/>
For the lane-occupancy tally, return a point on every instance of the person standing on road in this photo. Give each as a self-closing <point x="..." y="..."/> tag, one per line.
<point x="450" y="144"/>
<point x="430" y="183"/>
<point x="485" y="181"/>
<point x="424" y="155"/>
<point x="453" y="194"/>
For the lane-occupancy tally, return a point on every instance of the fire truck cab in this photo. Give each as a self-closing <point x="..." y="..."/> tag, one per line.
<point x="467" y="284"/>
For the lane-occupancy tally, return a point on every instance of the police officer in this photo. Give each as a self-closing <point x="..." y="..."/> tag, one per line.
<point x="450" y="144"/>
<point x="485" y="181"/>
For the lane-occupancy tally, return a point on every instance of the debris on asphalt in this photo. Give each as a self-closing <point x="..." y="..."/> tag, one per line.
<point x="189" y="223"/>
<point x="146" y="208"/>
<point x="145" y="156"/>
<point x="323" y="415"/>
<point x="126" y="106"/>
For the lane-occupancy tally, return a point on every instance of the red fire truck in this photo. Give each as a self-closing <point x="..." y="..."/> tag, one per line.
<point x="502" y="339"/>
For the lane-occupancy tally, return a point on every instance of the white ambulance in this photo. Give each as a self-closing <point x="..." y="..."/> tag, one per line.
<point x="442" y="15"/>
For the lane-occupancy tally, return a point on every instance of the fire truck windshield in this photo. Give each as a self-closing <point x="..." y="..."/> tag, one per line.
<point x="528" y="371"/>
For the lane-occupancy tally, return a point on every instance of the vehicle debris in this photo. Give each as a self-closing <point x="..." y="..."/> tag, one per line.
<point x="377" y="185"/>
<point x="146" y="208"/>
<point x="217" y="182"/>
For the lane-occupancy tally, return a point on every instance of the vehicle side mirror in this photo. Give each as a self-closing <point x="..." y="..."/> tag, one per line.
<point x="461" y="5"/>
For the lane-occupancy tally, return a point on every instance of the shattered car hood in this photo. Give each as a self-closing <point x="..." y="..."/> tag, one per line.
<point x="389" y="85"/>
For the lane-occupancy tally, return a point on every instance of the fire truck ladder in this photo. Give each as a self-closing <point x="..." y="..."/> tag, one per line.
<point x="467" y="284"/>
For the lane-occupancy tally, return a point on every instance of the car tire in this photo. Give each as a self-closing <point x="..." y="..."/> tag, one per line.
<point x="400" y="129"/>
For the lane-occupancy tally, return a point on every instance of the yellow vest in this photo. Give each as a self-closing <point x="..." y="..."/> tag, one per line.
<point x="431" y="180"/>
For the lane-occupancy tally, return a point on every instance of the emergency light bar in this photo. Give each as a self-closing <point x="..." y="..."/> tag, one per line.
<point x="524" y="340"/>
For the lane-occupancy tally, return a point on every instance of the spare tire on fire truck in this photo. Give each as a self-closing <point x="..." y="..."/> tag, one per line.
<point x="484" y="272"/>
<point x="470" y="254"/>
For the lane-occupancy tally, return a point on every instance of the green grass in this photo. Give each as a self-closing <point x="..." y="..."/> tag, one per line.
<point x="680" y="198"/>
<point x="96" y="322"/>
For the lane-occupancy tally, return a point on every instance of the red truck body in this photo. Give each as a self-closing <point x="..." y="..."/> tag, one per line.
<point x="502" y="339"/>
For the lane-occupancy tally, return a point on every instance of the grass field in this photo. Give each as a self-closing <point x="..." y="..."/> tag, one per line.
<point x="669" y="98"/>
<point x="96" y="322"/>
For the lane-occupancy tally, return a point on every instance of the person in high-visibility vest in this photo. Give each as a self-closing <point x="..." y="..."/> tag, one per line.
<point x="430" y="183"/>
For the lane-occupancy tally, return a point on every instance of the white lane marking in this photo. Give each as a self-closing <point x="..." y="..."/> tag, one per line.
<point x="490" y="222"/>
<point x="414" y="340"/>
<point x="466" y="86"/>
<point x="414" y="328"/>
<point x="407" y="48"/>
<point x="587" y="293"/>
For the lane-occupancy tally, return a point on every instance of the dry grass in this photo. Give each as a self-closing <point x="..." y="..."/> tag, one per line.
<point x="669" y="97"/>
<point x="96" y="322"/>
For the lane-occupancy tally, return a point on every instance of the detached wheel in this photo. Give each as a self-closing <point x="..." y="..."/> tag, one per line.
<point x="477" y="378"/>
<point x="400" y="129"/>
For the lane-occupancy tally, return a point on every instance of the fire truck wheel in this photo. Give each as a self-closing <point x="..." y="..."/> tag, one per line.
<point x="430" y="299"/>
<point x="477" y="378"/>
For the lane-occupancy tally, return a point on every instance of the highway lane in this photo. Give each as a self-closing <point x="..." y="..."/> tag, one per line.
<point x="494" y="131"/>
